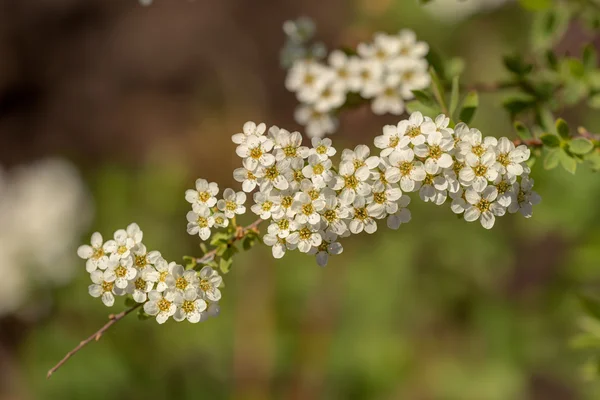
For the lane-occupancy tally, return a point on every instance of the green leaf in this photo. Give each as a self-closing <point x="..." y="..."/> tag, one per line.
<point x="436" y="61"/>
<point x="129" y="302"/>
<point x="415" y="105"/>
<point x="551" y="159"/>
<point x="593" y="160"/>
<point x="424" y="97"/>
<point x="562" y="128"/>
<point x="567" y="162"/>
<point x="469" y="107"/>
<point x="519" y="103"/>
<point x="454" y="96"/>
<point x="219" y="238"/>
<point x="225" y="265"/>
<point x="546" y="120"/>
<point x="591" y="305"/>
<point x="535" y="5"/>
<point x="550" y="140"/>
<point x="522" y="130"/>
<point x="580" y="146"/>
<point x="516" y="65"/>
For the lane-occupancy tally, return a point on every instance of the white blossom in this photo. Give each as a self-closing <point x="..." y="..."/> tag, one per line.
<point x="162" y="304"/>
<point x="205" y="193"/>
<point x="232" y="203"/>
<point x="483" y="206"/>
<point x="200" y="222"/>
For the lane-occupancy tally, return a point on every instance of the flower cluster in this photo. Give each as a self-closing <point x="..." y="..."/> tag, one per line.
<point x="123" y="266"/>
<point x="310" y="203"/>
<point x="386" y="70"/>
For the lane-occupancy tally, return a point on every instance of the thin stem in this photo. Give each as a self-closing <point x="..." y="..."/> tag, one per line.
<point x="113" y="319"/>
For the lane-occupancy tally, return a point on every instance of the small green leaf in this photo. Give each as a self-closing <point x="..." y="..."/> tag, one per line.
<point x="225" y="265"/>
<point x="454" y="96"/>
<point x="415" y="105"/>
<point x="516" y="65"/>
<point x="567" y="162"/>
<point x="522" y="130"/>
<point x="142" y="316"/>
<point x="562" y="128"/>
<point x="517" y="104"/>
<point x="129" y="302"/>
<point x="424" y="97"/>
<point x="593" y="160"/>
<point x="580" y="146"/>
<point x="551" y="159"/>
<point x="436" y="61"/>
<point x="550" y="140"/>
<point x="469" y="107"/>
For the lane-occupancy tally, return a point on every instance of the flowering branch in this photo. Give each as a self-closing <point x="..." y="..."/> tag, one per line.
<point x="240" y="233"/>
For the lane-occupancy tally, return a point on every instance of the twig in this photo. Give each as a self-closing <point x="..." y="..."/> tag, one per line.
<point x="528" y="142"/>
<point x="113" y="319"/>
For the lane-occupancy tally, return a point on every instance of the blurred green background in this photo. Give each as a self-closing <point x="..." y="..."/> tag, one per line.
<point x="144" y="100"/>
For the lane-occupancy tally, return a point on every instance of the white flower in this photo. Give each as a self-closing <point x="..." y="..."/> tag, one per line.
<point x="162" y="304"/>
<point x="279" y="245"/>
<point x="473" y="143"/>
<point x="383" y="200"/>
<point x="437" y="148"/>
<point x="221" y="220"/>
<point x="121" y="246"/>
<point x="307" y="79"/>
<point x="204" y="194"/>
<point x="483" y="205"/>
<point x="94" y="255"/>
<point x="416" y="128"/>
<point x="283" y="200"/>
<point x="524" y="198"/>
<point x="509" y="158"/>
<point x="307" y="207"/>
<point x="142" y="285"/>
<point x="318" y="170"/>
<point x="317" y="124"/>
<point x="199" y="222"/>
<point x="505" y="185"/>
<point x="370" y="75"/>
<point x="263" y="206"/>
<point x="389" y="99"/>
<point x="330" y="97"/>
<point x="329" y="246"/>
<point x="249" y="129"/>
<point x="288" y="145"/>
<point x="322" y="148"/>
<point x="142" y="258"/>
<point x="181" y="280"/>
<point x="305" y="238"/>
<point x="163" y="271"/>
<point x="210" y="280"/>
<point x="274" y="176"/>
<point x="413" y="75"/>
<point x="282" y="227"/>
<point x="123" y="270"/>
<point x="334" y="216"/>
<point x="351" y="182"/>
<point x="459" y="203"/>
<point x="478" y="171"/>
<point x="434" y="185"/>
<point x="256" y="152"/>
<point x="406" y="170"/>
<point x="361" y="219"/>
<point x="346" y="70"/>
<point x="191" y="308"/>
<point x="383" y="48"/>
<point x="246" y="177"/>
<point x="390" y="140"/>
<point x="409" y="46"/>
<point x="359" y="157"/>
<point x="104" y="286"/>
<point x="401" y="216"/>
<point x="232" y="203"/>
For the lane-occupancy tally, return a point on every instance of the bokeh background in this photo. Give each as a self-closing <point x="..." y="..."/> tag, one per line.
<point x="143" y="99"/>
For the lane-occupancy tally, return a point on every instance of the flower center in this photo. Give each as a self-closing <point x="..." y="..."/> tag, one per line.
<point x="107" y="286"/>
<point x="361" y="213"/>
<point x="480" y="170"/>
<point x="205" y="285"/>
<point x="219" y="220"/>
<point x="321" y="149"/>
<point x="203" y="222"/>
<point x="503" y="159"/>
<point x="308" y="209"/>
<point x="478" y="150"/>
<point x="314" y="194"/>
<point x="287" y="201"/>
<point x="318" y="169"/>
<point x="350" y="182"/>
<point x="98" y="254"/>
<point x="394" y="140"/>
<point x="521" y="197"/>
<point x="435" y="152"/>
<point x="188" y="306"/>
<point x="406" y="167"/>
<point x="140" y="284"/>
<point x="330" y="216"/>
<point x="283" y="224"/>
<point x="358" y="163"/>
<point x="122" y="249"/>
<point x="164" y="305"/>
<point x="298" y="175"/>
<point x="305" y="233"/>
<point x="390" y="92"/>
<point x="181" y="283"/>
<point x="413" y="131"/>
<point x="503" y="187"/>
<point x="163" y="275"/>
<point x="250" y="176"/>
<point x="457" y="167"/>
<point x="380" y="54"/>
<point x="230" y="205"/>
<point x="256" y="153"/>
<point x="290" y="151"/>
<point x="428" y="179"/>
<point x="323" y="247"/>
<point x="271" y="173"/>
<point x="483" y="205"/>
<point x="204" y="196"/>
<point x="380" y="198"/>
<point x="141" y="261"/>
<point x="408" y="75"/>
<point x="266" y="206"/>
<point x="121" y="271"/>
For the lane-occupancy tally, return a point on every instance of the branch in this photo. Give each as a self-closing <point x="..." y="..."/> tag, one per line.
<point x="113" y="319"/>
<point x="529" y="142"/>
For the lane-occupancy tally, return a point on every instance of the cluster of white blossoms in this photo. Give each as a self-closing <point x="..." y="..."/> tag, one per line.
<point x="386" y="71"/>
<point x="310" y="203"/>
<point x="123" y="266"/>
